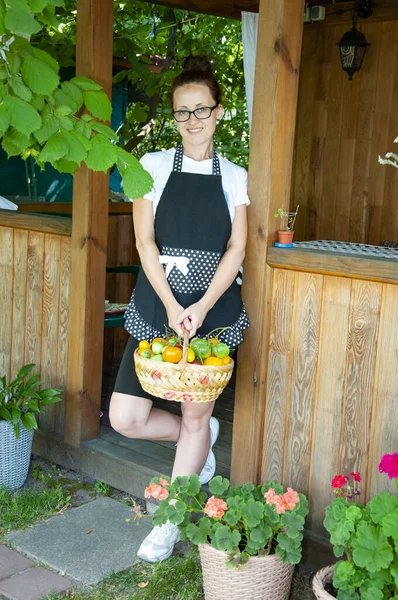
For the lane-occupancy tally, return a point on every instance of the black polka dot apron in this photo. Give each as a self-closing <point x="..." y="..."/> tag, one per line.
<point x="192" y="229"/>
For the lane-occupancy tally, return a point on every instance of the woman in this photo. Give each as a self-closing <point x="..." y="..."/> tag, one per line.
<point x="191" y="236"/>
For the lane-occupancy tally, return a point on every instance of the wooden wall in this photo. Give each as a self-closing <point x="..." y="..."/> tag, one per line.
<point x="332" y="384"/>
<point x="34" y="292"/>
<point x="342" y="127"/>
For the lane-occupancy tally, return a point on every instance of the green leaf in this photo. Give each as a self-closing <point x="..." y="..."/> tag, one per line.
<point x="381" y="506"/>
<point x="105" y="130"/>
<point x="136" y="183"/>
<point x="65" y="166"/>
<point x="15" y="414"/>
<point x="227" y="539"/>
<point x="3" y="73"/>
<point x="98" y="104"/>
<point x="5" y="414"/>
<point x="86" y="84"/>
<point x="23" y="117"/>
<point x="20" y="89"/>
<point x="253" y="513"/>
<point x="14" y="143"/>
<point x="45" y="57"/>
<point x="390" y="524"/>
<point x="394" y="571"/>
<point x="25" y="370"/>
<point x="20" y="23"/>
<point x="37" y="102"/>
<point x="195" y="534"/>
<point x="62" y="110"/>
<point x="74" y="91"/>
<point x="102" y="154"/>
<point x="48" y="17"/>
<point x="371" y="548"/>
<point x="218" y="485"/>
<point x="292" y="523"/>
<point x="18" y="5"/>
<point x="4" y="119"/>
<point x="37" y="6"/>
<point x="56" y="147"/>
<point x="39" y="76"/>
<point x="33" y="406"/>
<point x="84" y="129"/>
<point x="2" y="15"/>
<point x="14" y="63"/>
<point x="29" y="421"/>
<point x="50" y="126"/>
<point x="292" y="557"/>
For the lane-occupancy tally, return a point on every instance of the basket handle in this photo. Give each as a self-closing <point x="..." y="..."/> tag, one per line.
<point x="185" y="347"/>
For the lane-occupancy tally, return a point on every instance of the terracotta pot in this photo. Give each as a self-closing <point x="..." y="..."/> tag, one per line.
<point x="265" y="577"/>
<point x="322" y="578"/>
<point x="285" y="237"/>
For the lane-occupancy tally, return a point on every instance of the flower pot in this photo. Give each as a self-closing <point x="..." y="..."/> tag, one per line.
<point x="285" y="237"/>
<point x="14" y="455"/>
<point x="265" y="577"/>
<point x="321" y="579"/>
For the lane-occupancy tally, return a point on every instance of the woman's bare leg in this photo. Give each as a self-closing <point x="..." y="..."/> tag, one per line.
<point x="194" y="441"/>
<point x="134" y="417"/>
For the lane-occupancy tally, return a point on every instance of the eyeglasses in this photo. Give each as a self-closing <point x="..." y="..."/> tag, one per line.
<point x="203" y="112"/>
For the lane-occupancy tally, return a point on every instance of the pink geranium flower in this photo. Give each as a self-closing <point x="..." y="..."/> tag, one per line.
<point x="356" y="476"/>
<point x="215" y="507"/>
<point x="163" y="482"/>
<point x="338" y="481"/>
<point x="282" y="503"/>
<point x="389" y="465"/>
<point x="154" y="490"/>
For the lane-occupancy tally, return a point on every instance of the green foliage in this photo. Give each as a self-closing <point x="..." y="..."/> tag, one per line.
<point x="42" y="118"/>
<point x="368" y="536"/>
<point x="22" y="398"/>
<point x="239" y="521"/>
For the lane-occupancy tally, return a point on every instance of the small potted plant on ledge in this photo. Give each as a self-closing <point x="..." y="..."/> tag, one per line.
<point x="249" y="536"/>
<point x="20" y="401"/>
<point x="366" y="536"/>
<point x="286" y="229"/>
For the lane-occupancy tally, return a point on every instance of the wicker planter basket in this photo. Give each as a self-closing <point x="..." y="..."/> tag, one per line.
<point x="321" y="578"/>
<point x="265" y="577"/>
<point x="14" y="456"/>
<point x="182" y="382"/>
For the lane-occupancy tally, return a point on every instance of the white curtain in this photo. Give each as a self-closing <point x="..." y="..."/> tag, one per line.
<point x="249" y="39"/>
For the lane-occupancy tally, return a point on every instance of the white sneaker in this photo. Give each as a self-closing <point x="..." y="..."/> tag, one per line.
<point x="210" y="465"/>
<point x="159" y="544"/>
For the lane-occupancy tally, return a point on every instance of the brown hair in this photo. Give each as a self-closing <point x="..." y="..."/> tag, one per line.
<point x="197" y="69"/>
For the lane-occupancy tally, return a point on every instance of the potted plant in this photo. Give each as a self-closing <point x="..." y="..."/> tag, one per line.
<point x="367" y="538"/>
<point x="286" y="229"/>
<point x="20" y="400"/>
<point x="249" y="536"/>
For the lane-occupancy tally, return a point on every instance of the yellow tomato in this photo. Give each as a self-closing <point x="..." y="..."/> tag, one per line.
<point x="213" y="361"/>
<point x="144" y="345"/>
<point x="159" y="339"/>
<point x="172" y="354"/>
<point x="190" y="355"/>
<point x="226" y="360"/>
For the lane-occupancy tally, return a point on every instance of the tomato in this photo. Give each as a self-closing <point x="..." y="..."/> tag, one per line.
<point x="157" y="357"/>
<point x="172" y="354"/>
<point x="201" y="347"/>
<point x="146" y="353"/>
<point x="226" y="360"/>
<point x="159" y="339"/>
<point x="220" y="350"/>
<point x="173" y="341"/>
<point x="190" y="355"/>
<point x="144" y="345"/>
<point x="213" y="361"/>
<point x="157" y="347"/>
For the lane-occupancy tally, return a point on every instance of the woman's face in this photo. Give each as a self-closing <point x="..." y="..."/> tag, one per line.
<point x="190" y="97"/>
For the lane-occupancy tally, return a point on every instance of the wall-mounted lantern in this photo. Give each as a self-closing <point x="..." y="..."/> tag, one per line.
<point x="353" y="44"/>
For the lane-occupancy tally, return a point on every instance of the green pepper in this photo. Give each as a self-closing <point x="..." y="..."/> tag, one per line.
<point x="201" y="347"/>
<point x="220" y="350"/>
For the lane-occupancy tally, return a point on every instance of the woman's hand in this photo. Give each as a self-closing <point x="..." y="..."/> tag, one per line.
<point x="192" y="318"/>
<point x="178" y="325"/>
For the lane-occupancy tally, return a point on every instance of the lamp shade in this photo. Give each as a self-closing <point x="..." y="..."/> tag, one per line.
<point x="352" y="46"/>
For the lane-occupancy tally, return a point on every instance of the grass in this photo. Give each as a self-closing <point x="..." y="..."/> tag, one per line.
<point x="178" y="578"/>
<point x="22" y="508"/>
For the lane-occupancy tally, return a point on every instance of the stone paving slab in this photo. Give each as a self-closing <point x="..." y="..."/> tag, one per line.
<point x="11" y="562"/>
<point x="34" y="583"/>
<point x="85" y="543"/>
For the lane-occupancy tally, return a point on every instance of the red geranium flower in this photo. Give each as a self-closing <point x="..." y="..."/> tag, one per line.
<point x="356" y="476"/>
<point x="338" y="481"/>
<point x="389" y="465"/>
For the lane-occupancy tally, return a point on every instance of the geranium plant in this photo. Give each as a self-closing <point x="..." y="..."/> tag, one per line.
<point x="21" y="399"/>
<point x="366" y="535"/>
<point x="243" y="521"/>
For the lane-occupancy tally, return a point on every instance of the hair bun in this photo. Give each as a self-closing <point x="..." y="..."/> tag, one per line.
<point x="198" y="64"/>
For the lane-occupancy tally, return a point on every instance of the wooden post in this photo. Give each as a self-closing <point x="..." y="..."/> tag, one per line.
<point x="280" y="30"/>
<point x="89" y="242"/>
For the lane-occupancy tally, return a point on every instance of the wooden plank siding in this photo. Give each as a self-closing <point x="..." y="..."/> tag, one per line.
<point x="342" y="127"/>
<point x="331" y="384"/>
<point x="34" y="288"/>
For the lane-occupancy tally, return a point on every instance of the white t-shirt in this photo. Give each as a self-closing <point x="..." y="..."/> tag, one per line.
<point x="234" y="178"/>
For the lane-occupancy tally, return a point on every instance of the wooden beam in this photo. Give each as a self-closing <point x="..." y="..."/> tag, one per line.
<point x="230" y="9"/>
<point x="34" y="222"/>
<point x="279" y="42"/>
<point x="94" y="36"/>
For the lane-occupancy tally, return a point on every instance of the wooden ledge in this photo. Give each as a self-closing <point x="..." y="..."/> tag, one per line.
<point x="330" y="263"/>
<point x="36" y="222"/>
<point x="115" y="208"/>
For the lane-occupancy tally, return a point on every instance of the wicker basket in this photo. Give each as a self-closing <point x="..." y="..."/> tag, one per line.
<point x="321" y="578"/>
<point x="14" y="455"/>
<point x="182" y="382"/>
<point x="265" y="577"/>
